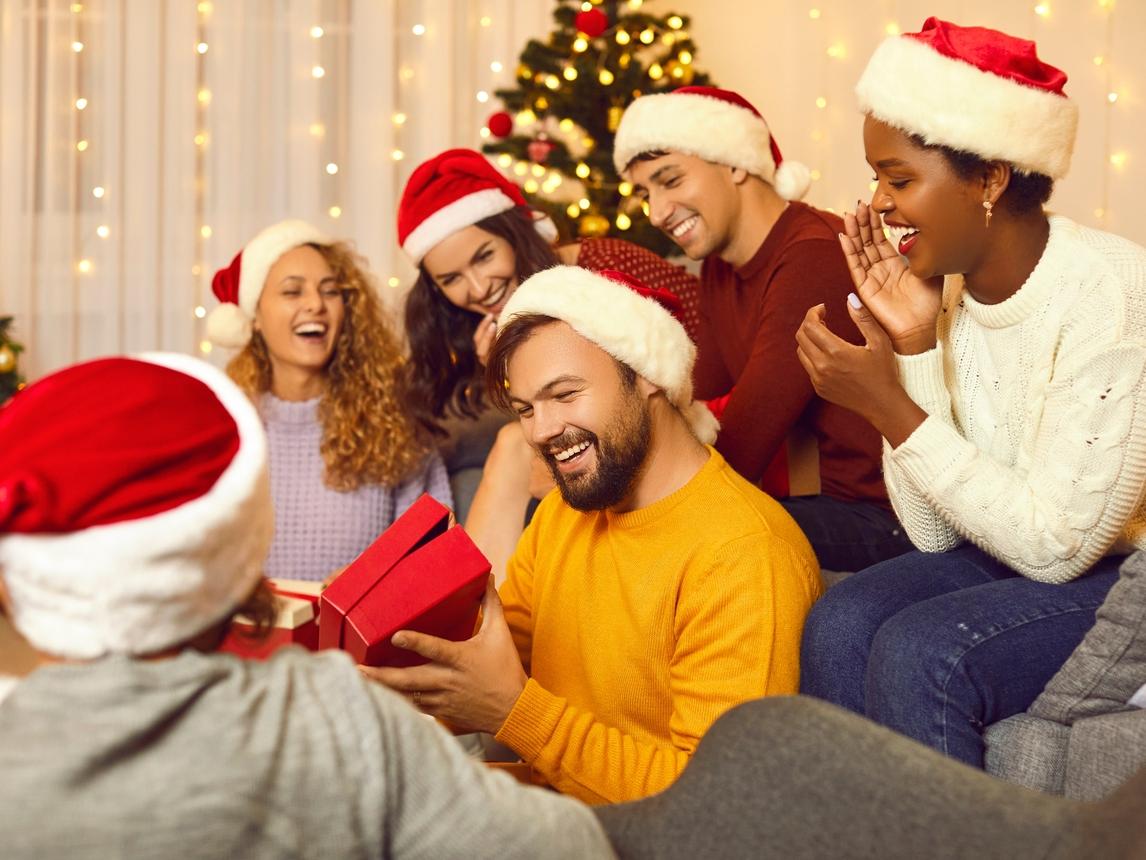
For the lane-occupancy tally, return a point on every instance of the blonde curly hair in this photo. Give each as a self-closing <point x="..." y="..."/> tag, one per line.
<point x="368" y="436"/>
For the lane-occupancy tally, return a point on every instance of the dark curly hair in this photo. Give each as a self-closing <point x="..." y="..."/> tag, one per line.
<point x="444" y="375"/>
<point x="1025" y="191"/>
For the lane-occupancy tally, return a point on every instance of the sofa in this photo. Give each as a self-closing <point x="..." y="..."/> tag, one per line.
<point x="1081" y="738"/>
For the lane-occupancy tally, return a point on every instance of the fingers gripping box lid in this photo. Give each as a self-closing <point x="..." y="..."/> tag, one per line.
<point x="420" y="574"/>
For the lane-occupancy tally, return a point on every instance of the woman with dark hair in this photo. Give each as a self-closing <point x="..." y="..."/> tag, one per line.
<point x="1005" y="367"/>
<point x="474" y="239"/>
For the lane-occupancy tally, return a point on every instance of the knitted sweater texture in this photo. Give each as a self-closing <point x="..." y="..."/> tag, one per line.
<point x="317" y="529"/>
<point x="206" y="756"/>
<point x="639" y="629"/>
<point x="1034" y="447"/>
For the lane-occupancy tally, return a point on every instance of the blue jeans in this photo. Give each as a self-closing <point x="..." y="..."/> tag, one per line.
<point x="848" y="535"/>
<point x="937" y="646"/>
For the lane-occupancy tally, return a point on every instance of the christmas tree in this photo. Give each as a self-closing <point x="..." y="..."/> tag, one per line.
<point x="555" y="136"/>
<point x="10" y="379"/>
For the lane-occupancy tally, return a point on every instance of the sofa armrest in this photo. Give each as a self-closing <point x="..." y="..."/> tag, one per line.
<point x="1028" y="751"/>
<point x="1103" y="753"/>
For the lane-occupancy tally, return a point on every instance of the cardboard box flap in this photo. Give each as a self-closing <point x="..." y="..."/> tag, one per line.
<point x="296" y="603"/>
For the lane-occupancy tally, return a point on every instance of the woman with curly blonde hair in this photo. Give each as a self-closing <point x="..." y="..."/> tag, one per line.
<point x="324" y="368"/>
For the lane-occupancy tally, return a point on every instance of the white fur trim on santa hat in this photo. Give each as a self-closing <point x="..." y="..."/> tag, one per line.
<point x="462" y="213"/>
<point x="951" y="103"/>
<point x="140" y="586"/>
<point x="708" y="128"/>
<point x="230" y="325"/>
<point x="635" y="330"/>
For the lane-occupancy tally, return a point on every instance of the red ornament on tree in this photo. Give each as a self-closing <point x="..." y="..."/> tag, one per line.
<point x="500" y="124"/>
<point x="592" y="23"/>
<point x="539" y="149"/>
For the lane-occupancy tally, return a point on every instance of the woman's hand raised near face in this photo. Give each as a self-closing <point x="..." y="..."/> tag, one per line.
<point x="904" y="305"/>
<point x="483" y="337"/>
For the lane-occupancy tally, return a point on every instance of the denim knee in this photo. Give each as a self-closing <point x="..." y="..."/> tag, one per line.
<point x="833" y="655"/>
<point x="909" y="670"/>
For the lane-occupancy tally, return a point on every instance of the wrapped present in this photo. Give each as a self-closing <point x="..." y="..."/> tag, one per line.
<point x="296" y="622"/>
<point x="420" y="574"/>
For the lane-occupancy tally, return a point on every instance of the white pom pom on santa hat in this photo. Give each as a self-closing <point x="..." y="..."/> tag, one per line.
<point x="228" y="326"/>
<point x="792" y="180"/>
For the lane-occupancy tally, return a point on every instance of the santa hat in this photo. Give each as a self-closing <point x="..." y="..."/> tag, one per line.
<point x="976" y="90"/>
<point x="239" y="285"/>
<point x="452" y="191"/>
<point x="713" y="124"/>
<point x="134" y="504"/>
<point x="636" y="324"/>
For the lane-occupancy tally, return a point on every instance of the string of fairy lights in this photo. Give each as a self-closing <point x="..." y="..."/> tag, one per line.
<point x="88" y="241"/>
<point x="1115" y="159"/>
<point x="199" y="271"/>
<point x="80" y="104"/>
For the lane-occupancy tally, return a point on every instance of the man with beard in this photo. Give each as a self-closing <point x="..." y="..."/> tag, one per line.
<point x="714" y="181"/>
<point x="655" y="589"/>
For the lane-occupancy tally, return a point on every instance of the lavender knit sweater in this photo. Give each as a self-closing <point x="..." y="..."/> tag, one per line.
<point x="317" y="529"/>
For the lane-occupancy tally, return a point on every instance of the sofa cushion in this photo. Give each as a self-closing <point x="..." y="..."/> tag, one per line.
<point x="1103" y="753"/>
<point x="1109" y="665"/>
<point x="1028" y="751"/>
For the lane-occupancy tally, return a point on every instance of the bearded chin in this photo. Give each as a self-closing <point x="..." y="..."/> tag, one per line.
<point x="621" y="455"/>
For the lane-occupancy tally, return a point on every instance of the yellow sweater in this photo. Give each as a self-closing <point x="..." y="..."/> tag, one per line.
<point x="638" y="630"/>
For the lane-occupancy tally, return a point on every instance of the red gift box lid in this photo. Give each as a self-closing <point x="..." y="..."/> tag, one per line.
<point x="437" y="589"/>
<point x="423" y="521"/>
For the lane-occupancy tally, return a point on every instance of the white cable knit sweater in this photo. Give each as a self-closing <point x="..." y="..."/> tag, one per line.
<point x="1035" y="444"/>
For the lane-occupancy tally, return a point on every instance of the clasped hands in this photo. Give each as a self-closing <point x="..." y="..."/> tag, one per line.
<point x="471" y="685"/>
<point x="895" y="312"/>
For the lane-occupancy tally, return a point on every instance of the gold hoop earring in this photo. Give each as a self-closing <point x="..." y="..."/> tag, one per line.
<point x="988" y="205"/>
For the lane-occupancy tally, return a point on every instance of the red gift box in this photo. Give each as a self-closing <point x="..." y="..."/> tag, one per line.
<point x="296" y="622"/>
<point x="420" y="574"/>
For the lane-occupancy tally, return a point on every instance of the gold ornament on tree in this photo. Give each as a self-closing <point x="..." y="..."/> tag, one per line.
<point x="679" y="72"/>
<point x="7" y="359"/>
<point x="614" y="118"/>
<point x="592" y="226"/>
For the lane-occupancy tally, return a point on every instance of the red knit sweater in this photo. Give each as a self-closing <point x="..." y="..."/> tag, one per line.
<point x="747" y="351"/>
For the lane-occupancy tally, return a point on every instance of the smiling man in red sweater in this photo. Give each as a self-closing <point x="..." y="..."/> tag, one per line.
<point x="715" y="182"/>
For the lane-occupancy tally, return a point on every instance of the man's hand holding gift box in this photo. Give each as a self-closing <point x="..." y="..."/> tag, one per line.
<point x="470" y="685"/>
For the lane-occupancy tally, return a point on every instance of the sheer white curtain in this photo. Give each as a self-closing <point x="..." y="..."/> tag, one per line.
<point x="143" y="141"/>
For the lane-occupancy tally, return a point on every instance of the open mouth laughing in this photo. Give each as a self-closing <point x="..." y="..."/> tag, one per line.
<point x="568" y="456"/>
<point x="902" y="237"/>
<point x="495" y="298"/>
<point x="313" y="332"/>
<point x="682" y="228"/>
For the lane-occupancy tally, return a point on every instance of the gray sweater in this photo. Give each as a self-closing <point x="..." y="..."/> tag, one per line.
<point x="205" y="756"/>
